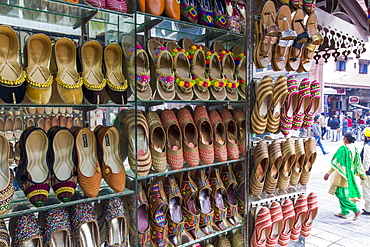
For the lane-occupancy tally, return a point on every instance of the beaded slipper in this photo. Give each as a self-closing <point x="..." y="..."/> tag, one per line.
<point x="229" y="180"/>
<point x="289" y="106"/>
<point x="288" y="221"/>
<point x="219" y="136"/>
<point x="240" y="70"/>
<point x="175" y="156"/>
<point x="313" y="105"/>
<point x="217" y="201"/>
<point x="300" y="209"/>
<point x="56" y="227"/>
<point x="261" y="164"/>
<point x="25" y="230"/>
<point x="280" y="92"/>
<point x="231" y="134"/>
<point x="289" y="157"/>
<point x="116" y="222"/>
<point x="304" y="98"/>
<point x="240" y="192"/>
<point x="275" y="161"/>
<point x="206" y="149"/>
<point x="163" y="77"/>
<point x="276" y="224"/>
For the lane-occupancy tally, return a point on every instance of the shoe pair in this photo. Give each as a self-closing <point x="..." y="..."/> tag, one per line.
<point x="6" y="176"/>
<point x="116" y="5"/>
<point x="11" y="127"/>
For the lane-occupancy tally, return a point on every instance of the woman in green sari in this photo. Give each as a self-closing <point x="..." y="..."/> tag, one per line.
<point x="344" y="166"/>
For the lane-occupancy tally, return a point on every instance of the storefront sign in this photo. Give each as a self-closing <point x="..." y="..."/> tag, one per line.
<point x="341" y="91"/>
<point x="354" y="99"/>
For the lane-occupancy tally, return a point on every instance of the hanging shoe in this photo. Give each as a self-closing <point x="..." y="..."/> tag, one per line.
<point x="300" y="209"/>
<point x="12" y="77"/>
<point x="203" y="205"/>
<point x="313" y="106"/>
<point x="240" y="70"/>
<point x="227" y="176"/>
<point x="158" y="209"/>
<point x="33" y="174"/>
<point x="275" y="161"/>
<point x="85" y="231"/>
<point x="217" y="201"/>
<point x="206" y="150"/>
<point x="6" y="175"/>
<point x="304" y="98"/>
<point x="189" y="10"/>
<point x="311" y="214"/>
<point x="56" y="228"/>
<point x="219" y="136"/>
<point x="261" y="163"/>
<point x="9" y="127"/>
<point x="276" y="224"/>
<point x="310" y="157"/>
<point x="25" y="231"/>
<point x="108" y="139"/>
<point x="299" y="162"/>
<point x="289" y="106"/>
<point x="174" y="215"/>
<point x="216" y="75"/>
<point x="63" y="169"/>
<point x="116" y="222"/>
<point x="231" y="135"/>
<point x="262" y="227"/>
<point x="289" y="157"/>
<point x="288" y="221"/>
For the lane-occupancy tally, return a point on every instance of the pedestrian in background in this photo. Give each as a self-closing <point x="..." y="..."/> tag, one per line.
<point x="344" y="125"/>
<point x="316" y="130"/>
<point x="334" y="127"/>
<point x="322" y="124"/>
<point x="349" y="120"/>
<point x="344" y="166"/>
<point x="365" y="159"/>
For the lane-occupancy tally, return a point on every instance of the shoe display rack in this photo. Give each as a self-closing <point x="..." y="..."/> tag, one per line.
<point x="167" y="167"/>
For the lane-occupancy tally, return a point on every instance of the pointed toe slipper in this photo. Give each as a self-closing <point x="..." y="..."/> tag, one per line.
<point x="230" y="184"/>
<point x="240" y="119"/>
<point x="219" y="136"/>
<point x="205" y="132"/>
<point x="231" y="134"/>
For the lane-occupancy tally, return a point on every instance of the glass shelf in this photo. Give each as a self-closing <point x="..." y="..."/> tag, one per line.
<point x="169" y="171"/>
<point x="20" y="204"/>
<point x="205" y="237"/>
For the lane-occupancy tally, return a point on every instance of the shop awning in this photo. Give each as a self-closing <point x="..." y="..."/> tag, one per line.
<point x="360" y="106"/>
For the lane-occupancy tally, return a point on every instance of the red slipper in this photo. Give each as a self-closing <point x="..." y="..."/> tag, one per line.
<point x="303" y="103"/>
<point x="311" y="214"/>
<point x="277" y="224"/>
<point x="262" y="227"/>
<point x="288" y="221"/>
<point x="300" y="209"/>
<point x="219" y="136"/>
<point x="206" y="150"/>
<point x="231" y="134"/>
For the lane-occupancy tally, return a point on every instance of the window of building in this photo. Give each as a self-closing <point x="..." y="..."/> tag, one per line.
<point x="362" y="69"/>
<point x="341" y="65"/>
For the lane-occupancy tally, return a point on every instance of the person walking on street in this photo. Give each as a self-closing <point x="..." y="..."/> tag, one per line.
<point x="344" y="125"/>
<point x="349" y="120"/>
<point x="334" y="126"/>
<point x="322" y="123"/>
<point x="316" y="130"/>
<point x="365" y="159"/>
<point x="344" y="166"/>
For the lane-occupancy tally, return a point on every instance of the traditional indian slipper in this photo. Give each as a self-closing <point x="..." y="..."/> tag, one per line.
<point x="300" y="41"/>
<point x="296" y="4"/>
<point x="7" y="176"/>
<point x="281" y="49"/>
<point x="300" y="209"/>
<point x="231" y="134"/>
<point x="280" y="92"/>
<point x="189" y="137"/>
<point x="260" y="167"/>
<point x="268" y="34"/>
<point x="230" y="184"/>
<point x="309" y="6"/>
<point x="191" y="216"/>
<point x="163" y="77"/>
<point x="197" y="61"/>
<point x="157" y="141"/>
<point x="219" y="14"/>
<point x="304" y="98"/>
<point x="240" y="192"/>
<point x="174" y="153"/>
<point x="116" y="81"/>
<point x="37" y="59"/>
<point x="181" y="67"/>
<point x="311" y="214"/>
<point x="215" y="74"/>
<point x="300" y="157"/>
<point x="310" y="153"/>
<point x="12" y="76"/>
<point x="189" y="10"/>
<point x="203" y="205"/>
<point x="139" y="80"/>
<point x="314" y="42"/>
<point x="275" y="161"/>
<point x="217" y="201"/>
<point x="262" y="226"/>
<point x="205" y="130"/>
<point x="264" y="94"/>
<point x="219" y="136"/>
<point x="289" y="157"/>
<point x="313" y="105"/>
<point x="240" y="120"/>
<point x="171" y="8"/>
<point x="240" y="70"/>
<point x="68" y="82"/>
<point x="284" y="2"/>
<point x="288" y="221"/>
<point x="276" y="224"/>
<point x="233" y="17"/>
<point x="289" y="106"/>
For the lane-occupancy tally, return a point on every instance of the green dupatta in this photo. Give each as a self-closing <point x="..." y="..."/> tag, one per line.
<point x="348" y="168"/>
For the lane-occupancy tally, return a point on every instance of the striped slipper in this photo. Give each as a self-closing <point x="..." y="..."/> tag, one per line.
<point x="314" y="105"/>
<point x="261" y="163"/>
<point x="289" y="106"/>
<point x="277" y="224"/>
<point x="275" y="161"/>
<point x="174" y="152"/>
<point x="296" y="4"/>
<point x="189" y="137"/>
<point x="300" y="209"/>
<point x="288" y="221"/>
<point x="4" y="235"/>
<point x="263" y="98"/>
<point x="311" y="214"/>
<point x="299" y="162"/>
<point x="219" y="136"/>
<point x="206" y="149"/>
<point x="227" y="176"/>
<point x="309" y="6"/>
<point x="310" y="153"/>
<point x="231" y="134"/>
<point x="304" y="97"/>
<point x="288" y="151"/>
<point x="262" y="227"/>
<point x="280" y="92"/>
<point x="240" y="120"/>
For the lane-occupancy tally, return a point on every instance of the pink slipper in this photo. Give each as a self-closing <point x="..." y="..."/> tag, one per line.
<point x="314" y="104"/>
<point x="288" y="221"/>
<point x="289" y="106"/>
<point x="300" y="209"/>
<point x="311" y="214"/>
<point x="262" y="227"/>
<point x="303" y="103"/>
<point x="277" y="224"/>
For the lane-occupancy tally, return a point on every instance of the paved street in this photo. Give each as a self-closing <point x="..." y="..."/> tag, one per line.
<point x="329" y="230"/>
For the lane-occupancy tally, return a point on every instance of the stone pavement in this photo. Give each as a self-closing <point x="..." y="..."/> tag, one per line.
<point x="329" y="230"/>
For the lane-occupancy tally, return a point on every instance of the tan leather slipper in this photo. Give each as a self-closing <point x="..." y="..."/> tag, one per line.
<point x="299" y="162"/>
<point x="288" y="151"/>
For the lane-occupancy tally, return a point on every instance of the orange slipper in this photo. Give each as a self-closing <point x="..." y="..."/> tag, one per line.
<point x="219" y="136"/>
<point x="231" y="134"/>
<point x="206" y="149"/>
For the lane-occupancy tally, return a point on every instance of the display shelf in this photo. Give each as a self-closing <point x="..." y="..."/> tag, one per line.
<point x="269" y="200"/>
<point x="19" y="200"/>
<point x="218" y="233"/>
<point x="186" y="168"/>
